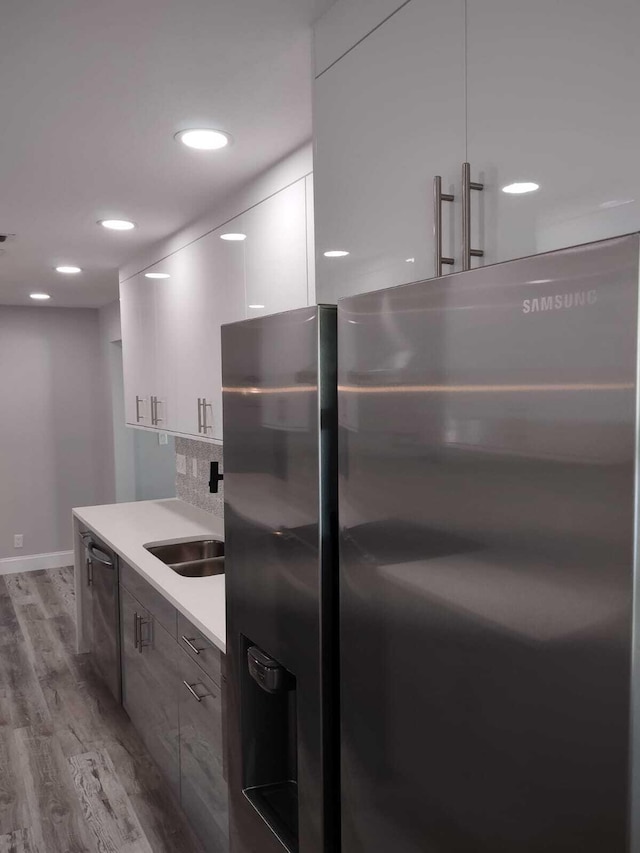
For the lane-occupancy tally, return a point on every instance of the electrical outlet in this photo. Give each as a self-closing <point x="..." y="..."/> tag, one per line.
<point x="18" y="540"/>
<point x="163" y="438"/>
<point x="181" y="463"/>
<point x="194" y="467"/>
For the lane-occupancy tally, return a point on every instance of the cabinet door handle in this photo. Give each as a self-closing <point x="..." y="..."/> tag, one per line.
<point x="154" y="411"/>
<point x="189" y="642"/>
<point x="467" y="186"/>
<point x="142" y="621"/>
<point x="193" y="692"/>
<point x="438" y="198"/>
<point x="139" y="400"/>
<point x="205" y="406"/>
<point x="100" y="557"/>
<point x="157" y="416"/>
<point x="199" y="415"/>
<point x="89" y="572"/>
<point x="136" y="638"/>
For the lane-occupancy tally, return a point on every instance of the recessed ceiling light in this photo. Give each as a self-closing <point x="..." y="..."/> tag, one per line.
<point x="411" y="260"/>
<point x="234" y="238"/>
<point x="203" y="139"/>
<point x="68" y="270"/>
<point x="256" y="306"/>
<point x="336" y="253"/>
<point x="117" y="224"/>
<point x="42" y="296"/>
<point x="157" y="275"/>
<point x="521" y="187"/>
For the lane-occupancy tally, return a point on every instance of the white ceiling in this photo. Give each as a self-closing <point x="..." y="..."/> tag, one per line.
<point x="91" y="94"/>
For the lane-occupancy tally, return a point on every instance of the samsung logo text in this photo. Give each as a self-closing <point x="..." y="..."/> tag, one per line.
<point x="559" y="301"/>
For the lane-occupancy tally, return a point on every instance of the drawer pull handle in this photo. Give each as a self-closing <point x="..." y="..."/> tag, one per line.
<point x="189" y="642"/>
<point x="193" y="692"/>
<point x="136" y="638"/>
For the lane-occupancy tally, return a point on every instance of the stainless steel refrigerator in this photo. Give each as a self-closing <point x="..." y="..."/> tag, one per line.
<point x="488" y="525"/>
<point x="280" y="454"/>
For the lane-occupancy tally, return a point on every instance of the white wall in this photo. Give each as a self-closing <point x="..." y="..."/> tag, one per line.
<point x="54" y="431"/>
<point x="123" y="437"/>
<point x="109" y="332"/>
<point x="155" y="466"/>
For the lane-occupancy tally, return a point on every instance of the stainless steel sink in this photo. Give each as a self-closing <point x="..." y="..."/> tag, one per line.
<point x="200" y="559"/>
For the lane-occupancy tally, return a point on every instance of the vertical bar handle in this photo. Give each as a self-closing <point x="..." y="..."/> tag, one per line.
<point x="467" y="186"/>
<point x="140" y="622"/>
<point x="199" y="415"/>
<point x="139" y="400"/>
<point x="438" y="198"/>
<point x="136" y="637"/>
<point x="157" y="416"/>
<point x="205" y="426"/>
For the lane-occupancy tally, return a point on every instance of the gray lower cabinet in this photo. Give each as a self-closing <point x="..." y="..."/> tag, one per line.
<point x="173" y="693"/>
<point x="203" y="786"/>
<point x="150" y="684"/>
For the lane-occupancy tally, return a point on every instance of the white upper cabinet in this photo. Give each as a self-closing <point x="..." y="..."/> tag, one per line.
<point x="553" y="99"/>
<point x="276" y="252"/>
<point x="137" y="310"/>
<point x="209" y="277"/>
<point x="166" y="384"/>
<point x="389" y="116"/>
<point x="171" y="325"/>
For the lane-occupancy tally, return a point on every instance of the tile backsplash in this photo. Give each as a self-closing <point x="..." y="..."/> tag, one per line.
<point x="193" y="459"/>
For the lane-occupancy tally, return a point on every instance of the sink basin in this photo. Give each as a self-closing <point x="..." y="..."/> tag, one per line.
<point x="200" y="559"/>
<point x="199" y="568"/>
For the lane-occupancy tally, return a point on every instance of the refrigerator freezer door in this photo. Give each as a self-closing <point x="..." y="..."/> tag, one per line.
<point x="280" y="427"/>
<point x="487" y="535"/>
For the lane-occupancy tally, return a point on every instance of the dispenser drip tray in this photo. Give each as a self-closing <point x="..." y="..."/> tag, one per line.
<point x="278" y="805"/>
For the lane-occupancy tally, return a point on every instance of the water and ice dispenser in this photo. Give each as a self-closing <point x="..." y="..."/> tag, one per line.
<point x="269" y="735"/>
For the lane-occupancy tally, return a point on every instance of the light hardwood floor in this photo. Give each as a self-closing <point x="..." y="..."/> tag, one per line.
<point x="74" y="775"/>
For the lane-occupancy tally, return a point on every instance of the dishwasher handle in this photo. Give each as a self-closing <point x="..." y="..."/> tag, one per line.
<point x="99" y="556"/>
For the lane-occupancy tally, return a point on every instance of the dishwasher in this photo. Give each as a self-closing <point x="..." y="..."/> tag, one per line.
<point x="104" y="611"/>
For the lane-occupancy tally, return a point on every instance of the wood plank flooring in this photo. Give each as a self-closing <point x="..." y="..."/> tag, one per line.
<point x="74" y="775"/>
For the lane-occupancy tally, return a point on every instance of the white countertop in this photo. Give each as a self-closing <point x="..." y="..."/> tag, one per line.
<point x="128" y="527"/>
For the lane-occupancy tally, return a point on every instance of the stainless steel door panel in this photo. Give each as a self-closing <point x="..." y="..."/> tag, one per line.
<point x="487" y="528"/>
<point x="105" y="643"/>
<point x="278" y="565"/>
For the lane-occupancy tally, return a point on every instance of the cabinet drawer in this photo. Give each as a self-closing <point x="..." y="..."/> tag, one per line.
<point x="200" y="649"/>
<point x="203" y="788"/>
<point x="155" y="603"/>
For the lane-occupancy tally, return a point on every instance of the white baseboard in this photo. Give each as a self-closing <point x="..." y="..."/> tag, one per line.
<point x="57" y="560"/>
